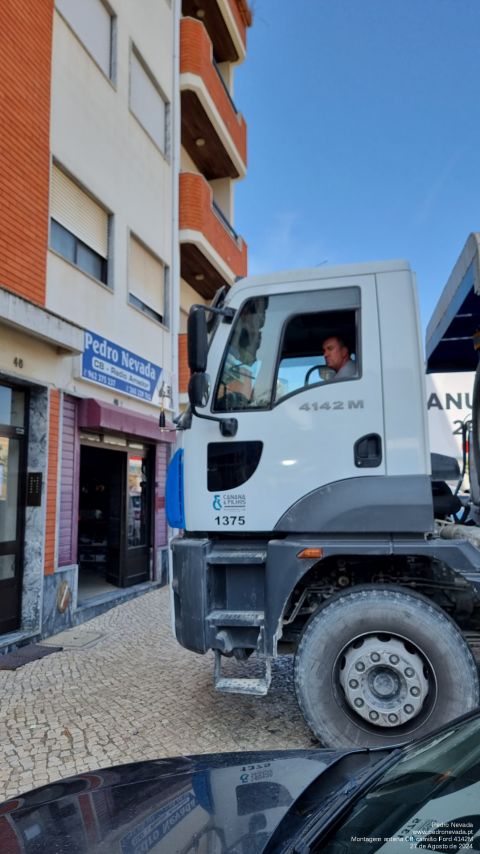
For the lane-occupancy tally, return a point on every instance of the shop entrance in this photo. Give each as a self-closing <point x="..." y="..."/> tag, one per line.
<point x="114" y="528"/>
<point x="12" y="502"/>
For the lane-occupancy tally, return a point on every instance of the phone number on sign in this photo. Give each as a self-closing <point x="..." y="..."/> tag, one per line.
<point x="97" y="377"/>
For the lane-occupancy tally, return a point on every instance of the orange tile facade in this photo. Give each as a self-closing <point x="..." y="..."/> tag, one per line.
<point x="51" y="491"/>
<point x="196" y="58"/>
<point x="25" y="71"/>
<point x="242" y="16"/>
<point x="183" y="369"/>
<point x="196" y="213"/>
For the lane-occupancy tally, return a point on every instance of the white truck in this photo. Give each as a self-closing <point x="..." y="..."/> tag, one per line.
<point x="303" y="490"/>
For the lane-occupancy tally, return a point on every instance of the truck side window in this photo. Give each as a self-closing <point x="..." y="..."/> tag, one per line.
<point x="317" y="347"/>
<point x="288" y="330"/>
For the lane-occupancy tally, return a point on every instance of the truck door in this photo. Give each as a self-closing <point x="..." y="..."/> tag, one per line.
<point x="309" y="419"/>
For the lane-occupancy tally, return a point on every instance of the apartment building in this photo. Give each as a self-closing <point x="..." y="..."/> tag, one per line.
<point x="213" y="37"/>
<point x="120" y="148"/>
<point x="87" y="265"/>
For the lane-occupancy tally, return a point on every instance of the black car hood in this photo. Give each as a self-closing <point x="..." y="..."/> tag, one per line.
<point x="223" y="802"/>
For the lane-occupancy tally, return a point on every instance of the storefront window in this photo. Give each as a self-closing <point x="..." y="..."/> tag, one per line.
<point x="7" y="567"/>
<point x="9" y="476"/>
<point x="12" y="407"/>
<point x="12" y="487"/>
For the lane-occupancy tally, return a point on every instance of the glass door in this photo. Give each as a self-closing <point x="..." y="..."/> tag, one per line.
<point x="137" y="561"/>
<point x="12" y="499"/>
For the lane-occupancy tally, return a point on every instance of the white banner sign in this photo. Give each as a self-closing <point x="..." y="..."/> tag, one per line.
<point x="449" y="401"/>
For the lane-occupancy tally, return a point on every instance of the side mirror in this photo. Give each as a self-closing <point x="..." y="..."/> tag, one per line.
<point x="197" y="341"/>
<point x="199" y="389"/>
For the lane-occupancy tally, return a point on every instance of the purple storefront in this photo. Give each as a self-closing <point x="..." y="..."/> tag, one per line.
<point x="112" y="528"/>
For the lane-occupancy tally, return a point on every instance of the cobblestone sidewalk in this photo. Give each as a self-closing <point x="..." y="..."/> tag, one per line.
<point x="137" y="694"/>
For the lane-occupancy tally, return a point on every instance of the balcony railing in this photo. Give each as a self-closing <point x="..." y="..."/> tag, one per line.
<point x="222" y="81"/>
<point x="223" y="219"/>
<point x="214" y="133"/>
<point x="212" y="253"/>
<point x="226" y="24"/>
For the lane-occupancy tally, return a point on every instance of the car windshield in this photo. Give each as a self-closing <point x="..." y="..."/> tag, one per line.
<point x="429" y="800"/>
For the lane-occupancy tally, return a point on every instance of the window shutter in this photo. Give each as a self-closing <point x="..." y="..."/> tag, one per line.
<point x="147" y="103"/>
<point x="92" y="23"/>
<point x="146" y="277"/>
<point x="78" y="213"/>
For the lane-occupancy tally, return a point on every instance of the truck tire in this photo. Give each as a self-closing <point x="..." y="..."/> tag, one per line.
<point x="376" y="666"/>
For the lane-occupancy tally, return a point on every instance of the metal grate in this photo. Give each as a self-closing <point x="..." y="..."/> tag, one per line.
<point x="24" y="655"/>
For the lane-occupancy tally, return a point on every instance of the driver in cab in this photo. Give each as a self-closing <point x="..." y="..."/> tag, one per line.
<point x="337" y="357"/>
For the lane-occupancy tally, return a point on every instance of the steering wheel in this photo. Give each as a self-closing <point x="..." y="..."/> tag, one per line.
<point x="315" y="368"/>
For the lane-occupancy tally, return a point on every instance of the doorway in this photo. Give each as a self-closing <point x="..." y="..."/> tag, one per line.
<point x="114" y="528"/>
<point x="12" y="502"/>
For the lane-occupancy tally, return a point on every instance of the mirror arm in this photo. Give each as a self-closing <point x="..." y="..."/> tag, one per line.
<point x="227" y="312"/>
<point x="228" y="426"/>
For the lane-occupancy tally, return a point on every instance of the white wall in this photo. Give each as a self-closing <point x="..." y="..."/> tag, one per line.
<point x="186" y="162"/>
<point x="100" y="142"/>
<point x="449" y="401"/>
<point x="189" y="296"/>
<point x="222" y="189"/>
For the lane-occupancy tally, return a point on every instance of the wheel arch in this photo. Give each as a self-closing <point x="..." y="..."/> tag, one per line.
<point x="317" y="580"/>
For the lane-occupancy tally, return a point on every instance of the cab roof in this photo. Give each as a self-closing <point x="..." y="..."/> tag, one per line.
<point x="314" y="273"/>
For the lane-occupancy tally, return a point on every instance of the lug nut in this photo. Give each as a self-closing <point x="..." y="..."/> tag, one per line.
<point x="394" y="659"/>
<point x="415" y="692"/>
<point x="408" y="709"/>
<point x="393" y="719"/>
<point x="359" y="703"/>
<point x="409" y="672"/>
<point x="353" y="683"/>
<point x="373" y="716"/>
<point x="360" y="666"/>
<point x="375" y="656"/>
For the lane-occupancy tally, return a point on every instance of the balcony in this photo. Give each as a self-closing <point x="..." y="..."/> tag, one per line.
<point x="226" y="23"/>
<point x="211" y="253"/>
<point x="213" y="133"/>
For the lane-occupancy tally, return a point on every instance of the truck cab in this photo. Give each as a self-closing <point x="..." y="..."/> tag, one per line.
<point x="302" y="484"/>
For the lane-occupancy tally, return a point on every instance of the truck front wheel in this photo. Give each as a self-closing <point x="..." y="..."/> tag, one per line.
<point x="377" y="666"/>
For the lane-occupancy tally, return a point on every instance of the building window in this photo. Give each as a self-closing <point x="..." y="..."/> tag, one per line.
<point x="146" y="281"/>
<point x="78" y="227"/>
<point x="92" y="23"/>
<point x="147" y="102"/>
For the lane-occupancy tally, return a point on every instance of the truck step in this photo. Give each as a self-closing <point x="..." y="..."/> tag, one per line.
<point x="241" y="555"/>
<point x="236" y="618"/>
<point x="253" y="687"/>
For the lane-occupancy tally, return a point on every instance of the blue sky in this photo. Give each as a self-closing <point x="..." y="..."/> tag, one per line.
<point x="364" y="134"/>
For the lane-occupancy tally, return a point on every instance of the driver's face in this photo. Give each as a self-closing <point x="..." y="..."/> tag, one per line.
<point x="335" y="355"/>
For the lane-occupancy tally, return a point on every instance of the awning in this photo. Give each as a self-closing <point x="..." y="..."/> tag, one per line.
<point x="449" y="339"/>
<point x="96" y="415"/>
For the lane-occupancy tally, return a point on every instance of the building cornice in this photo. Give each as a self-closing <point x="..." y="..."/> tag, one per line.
<point x="38" y="322"/>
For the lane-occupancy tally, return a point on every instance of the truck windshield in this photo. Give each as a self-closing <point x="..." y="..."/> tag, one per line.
<point x="214" y="320"/>
<point x="247" y="372"/>
<point x="288" y="331"/>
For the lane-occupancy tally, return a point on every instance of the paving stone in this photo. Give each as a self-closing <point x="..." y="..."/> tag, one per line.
<point x="135" y="694"/>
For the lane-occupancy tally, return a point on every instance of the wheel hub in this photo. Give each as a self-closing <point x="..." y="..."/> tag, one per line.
<point x="383" y="681"/>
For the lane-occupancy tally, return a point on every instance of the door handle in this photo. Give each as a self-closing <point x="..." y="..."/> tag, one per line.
<point x="368" y="451"/>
